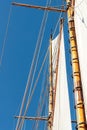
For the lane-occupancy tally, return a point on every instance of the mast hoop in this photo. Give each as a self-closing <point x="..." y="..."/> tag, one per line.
<point x="72" y="37"/>
<point x="81" y="123"/>
<point x="72" y="28"/>
<point x="77" y="88"/>
<point x="78" y="105"/>
<point x="71" y="19"/>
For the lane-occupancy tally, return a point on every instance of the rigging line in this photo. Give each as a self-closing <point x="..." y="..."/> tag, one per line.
<point x="29" y="100"/>
<point x="42" y="86"/>
<point x="43" y="61"/>
<point x="32" y="66"/>
<point x="36" y="49"/>
<point x="42" y="107"/>
<point x="40" y="39"/>
<point x="45" y="127"/>
<point x="57" y="24"/>
<point x="41" y="110"/>
<point x="25" y="126"/>
<point x="27" y="86"/>
<point x="16" y="114"/>
<point x="42" y="92"/>
<point x="41" y="104"/>
<point x="34" y="72"/>
<point x="55" y="50"/>
<point x="43" y="29"/>
<point x="44" y="24"/>
<point x="5" y="37"/>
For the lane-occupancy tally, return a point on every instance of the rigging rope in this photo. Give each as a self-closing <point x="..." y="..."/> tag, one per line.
<point x="42" y="100"/>
<point x="39" y="106"/>
<point x="29" y="100"/>
<point x="42" y="109"/>
<point x="57" y="24"/>
<point x="39" y="41"/>
<point x="27" y="88"/>
<point x="5" y="37"/>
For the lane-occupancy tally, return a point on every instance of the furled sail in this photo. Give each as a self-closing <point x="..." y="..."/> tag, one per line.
<point x="81" y="35"/>
<point x="62" y="118"/>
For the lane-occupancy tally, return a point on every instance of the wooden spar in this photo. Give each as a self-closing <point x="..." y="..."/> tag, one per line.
<point x="80" y="111"/>
<point x="51" y="98"/>
<point x="33" y="118"/>
<point x="57" y="61"/>
<point x="50" y="121"/>
<point x="39" y="7"/>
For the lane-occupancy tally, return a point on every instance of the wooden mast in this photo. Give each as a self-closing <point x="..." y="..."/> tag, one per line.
<point x="57" y="62"/>
<point x="79" y="103"/>
<point x="50" y="87"/>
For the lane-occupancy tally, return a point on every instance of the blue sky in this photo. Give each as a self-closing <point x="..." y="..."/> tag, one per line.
<point x="20" y="43"/>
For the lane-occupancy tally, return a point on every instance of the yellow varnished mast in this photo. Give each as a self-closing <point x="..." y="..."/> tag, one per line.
<point x="79" y="103"/>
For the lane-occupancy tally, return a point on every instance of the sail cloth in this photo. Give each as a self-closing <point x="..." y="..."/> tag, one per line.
<point x="81" y="35"/>
<point x="62" y="119"/>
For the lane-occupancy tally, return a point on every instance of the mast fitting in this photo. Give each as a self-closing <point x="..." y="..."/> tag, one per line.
<point x="78" y="125"/>
<point x="68" y="4"/>
<point x="71" y="19"/>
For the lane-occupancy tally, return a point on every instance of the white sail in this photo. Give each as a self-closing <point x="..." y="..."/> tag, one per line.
<point x="81" y="34"/>
<point x="62" y="119"/>
<point x="55" y="47"/>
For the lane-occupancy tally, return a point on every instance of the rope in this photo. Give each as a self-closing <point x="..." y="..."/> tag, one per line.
<point x="42" y="107"/>
<point x="57" y="24"/>
<point x="29" y="100"/>
<point x="42" y="100"/>
<point x="39" y="41"/>
<point x="42" y="86"/>
<point x="5" y="37"/>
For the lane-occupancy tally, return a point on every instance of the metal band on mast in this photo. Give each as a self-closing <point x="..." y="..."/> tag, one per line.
<point x="79" y="102"/>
